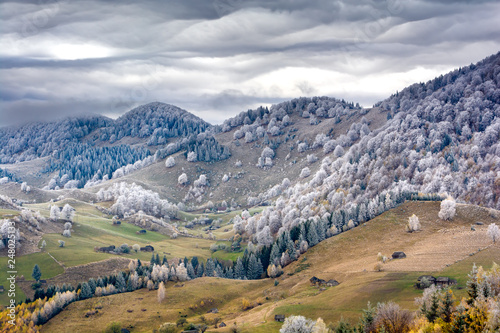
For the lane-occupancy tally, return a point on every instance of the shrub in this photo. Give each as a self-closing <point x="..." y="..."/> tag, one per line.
<point x="167" y="328"/>
<point x="113" y="327"/>
<point x="170" y="162"/>
<point x="181" y="322"/>
<point x="413" y="224"/>
<point x="245" y="304"/>
<point x="493" y="232"/>
<point x="183" y="179"/>
<point x="295" y="324"/>
<point x="392" y="319"/>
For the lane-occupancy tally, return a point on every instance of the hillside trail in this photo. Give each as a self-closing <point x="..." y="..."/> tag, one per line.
<point x="58" y="262"/>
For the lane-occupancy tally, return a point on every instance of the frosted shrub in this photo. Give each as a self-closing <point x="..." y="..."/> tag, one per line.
<point x="413" y="224"/>
<point x="448" y="209"/>
<point x="170" y="162"/>
<point x="183" y="179"/>
<point x="306" y="172"/>
<point x="294" y="324"/>
<point x="493" y="232"/>
<point x="192" y="157"/>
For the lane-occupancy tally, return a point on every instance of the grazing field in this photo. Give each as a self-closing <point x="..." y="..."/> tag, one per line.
<point x="24" y="267"/>
<point x="348" y="258"/>
<point x="92" y="228"/>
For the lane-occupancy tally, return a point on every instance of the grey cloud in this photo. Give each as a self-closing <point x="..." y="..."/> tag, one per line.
<point x="217" y="58"/>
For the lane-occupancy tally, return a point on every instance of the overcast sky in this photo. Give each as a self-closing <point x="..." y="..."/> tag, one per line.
<point x="217" y="58"/>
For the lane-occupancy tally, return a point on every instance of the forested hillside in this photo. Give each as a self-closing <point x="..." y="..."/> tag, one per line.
<point x="441" y="137"/>
<point x="87" y="150"/>
<point x="35" y="140"/>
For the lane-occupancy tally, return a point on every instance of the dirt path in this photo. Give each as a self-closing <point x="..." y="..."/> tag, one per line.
<point x="57" y="261"/>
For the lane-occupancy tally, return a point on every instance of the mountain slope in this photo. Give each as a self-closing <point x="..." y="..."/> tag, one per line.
<point x="156" y="122"/>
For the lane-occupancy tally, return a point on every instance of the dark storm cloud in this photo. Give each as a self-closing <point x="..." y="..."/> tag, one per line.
<point x="219" y="57"/>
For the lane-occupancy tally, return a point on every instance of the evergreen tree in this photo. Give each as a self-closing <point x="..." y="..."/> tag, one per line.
<point x="120" y="282"/>
<point x="302" y="233"/>
<point x="37" y="273"/>
<point x="446" y="309"/>
<point x="200" y="270"/>
<point x="239" y="270"/>
<point x="260" y="269"/>
<point x="255" y="269"/>
<point x="194" y="262"/>
<point x="264" y="255"/>
<point x="209" y="268"/>
<point x="85" y="291"/>
<point x="93" y="285"/>
<point x="219" y="271"/>
<point x="432" y="313"/>
<point x="290" y="248"/>
<point x="472" y="285"/>
<point x="229" y="273"/>
<point x="312" y="236"/>
<point x="190" y="271"/>
<point x="459" y="323"/>
<point x="275" y="255"/>
<point x="130" y="285"/>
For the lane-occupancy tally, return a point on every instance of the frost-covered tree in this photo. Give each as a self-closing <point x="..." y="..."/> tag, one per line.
<point x="339" y="151"/>
<point x="249" y="137"/>
<point x="239" y="270"/>
<point x="192" y="157"/>
<point x="302" y="147"/>
<point x="67" y="212"/>
<point x="267" y="152"/>
<point x="25" y="187"/>
<point x="255" y="269"/>
<point x="183" y="179"/>
<point x="264" y="237"/>
<point x="297" y="324"/>
<point x="170" y="162"/>
<point x="54" y="212"/>
<point x="413" y="224"/>
<point x="493" y="232"/>
<point x="311" y="158"/>
<point x="448" y="209"/>
<point x="305" y="172"/>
